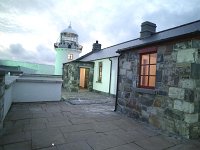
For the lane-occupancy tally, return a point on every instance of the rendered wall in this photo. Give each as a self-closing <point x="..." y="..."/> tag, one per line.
<point x="102" y="86"/>
<point x="2" y="91"/>
<point x="7" y="99"/>
<point x="62" y="57"/>
<point x="35" y="89"/>
<point x="113" y="87"/>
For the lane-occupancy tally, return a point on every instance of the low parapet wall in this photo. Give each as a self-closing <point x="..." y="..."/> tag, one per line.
<point x="34" y="88"/>
<point x="27" y="88"/>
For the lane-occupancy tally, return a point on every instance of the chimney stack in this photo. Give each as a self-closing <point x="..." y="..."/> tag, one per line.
<point x="96" y="46"/>
<point x="147" y="29"/>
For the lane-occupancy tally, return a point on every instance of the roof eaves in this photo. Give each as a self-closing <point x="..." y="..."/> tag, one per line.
<point x="75" y="61"/>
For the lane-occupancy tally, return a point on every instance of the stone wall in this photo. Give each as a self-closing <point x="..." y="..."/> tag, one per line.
<point x="174" y="105"/>
<point x="2" y="91"/>
<point x="71" y="75"/>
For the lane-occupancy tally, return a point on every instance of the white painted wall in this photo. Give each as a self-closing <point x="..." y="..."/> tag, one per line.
<point x="7" y="100"/>
<point x="33" y="89"/>
<point x="62" y="57"/>
<point x="9" y="81"/>
<point x="29" y="88"/>
<point x="113" y="87"/>
<point x="104" y="85"/>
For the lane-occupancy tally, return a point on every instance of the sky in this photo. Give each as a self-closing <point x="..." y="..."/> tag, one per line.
<point x="29" y="28"/>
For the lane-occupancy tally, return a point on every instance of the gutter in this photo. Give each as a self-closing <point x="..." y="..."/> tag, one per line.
<point x="110" y="75"/>
<point x="116" y="98"/>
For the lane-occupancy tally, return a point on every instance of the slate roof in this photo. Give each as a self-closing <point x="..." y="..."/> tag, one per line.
<point x="193" y="27"/>
<point x="164" y="35"/>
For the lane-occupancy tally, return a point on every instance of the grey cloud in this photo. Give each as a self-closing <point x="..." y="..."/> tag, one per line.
<point x="45" y="54"/>
<point x="16" y="49"/>
<point x="165" y="19"/>
<point x="165" y="14"/>
<point x="18" y="52"/>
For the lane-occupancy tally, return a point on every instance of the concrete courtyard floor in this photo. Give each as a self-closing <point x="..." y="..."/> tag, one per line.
<point x="80" y="125"/>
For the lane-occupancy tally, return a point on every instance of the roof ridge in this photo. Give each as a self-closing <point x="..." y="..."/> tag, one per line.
<point x="121" y="43"/>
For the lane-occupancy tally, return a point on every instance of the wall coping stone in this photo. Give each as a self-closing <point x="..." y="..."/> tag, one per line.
<point x="39" y="80"/>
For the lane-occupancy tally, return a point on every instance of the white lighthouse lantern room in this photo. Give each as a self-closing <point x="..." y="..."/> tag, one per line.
<point x="67" y="48"/>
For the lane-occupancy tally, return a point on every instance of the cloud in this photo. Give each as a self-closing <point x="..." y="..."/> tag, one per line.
<point x="18" y="52"/>
<point x="174" y="14"/>
<point x="36" y="24"/>
<point x="45" y="54"/>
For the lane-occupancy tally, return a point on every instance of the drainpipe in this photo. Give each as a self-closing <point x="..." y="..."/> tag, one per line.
<point x="116" y="98"/>
<point x="110" y="75"/>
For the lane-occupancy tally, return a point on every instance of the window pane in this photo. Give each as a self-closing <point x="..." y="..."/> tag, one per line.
<point x="144" y="80"/>
<point x="152" y="70"/>
<point x="100" y="71"/>
<point x="145" y="59"/>
<point x="152" y="81"/>
<point x="145" y="70"/>
<point x="153" y="58"/>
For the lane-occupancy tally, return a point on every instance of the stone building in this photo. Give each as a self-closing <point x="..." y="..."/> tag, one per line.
<point x="159" y="78"/>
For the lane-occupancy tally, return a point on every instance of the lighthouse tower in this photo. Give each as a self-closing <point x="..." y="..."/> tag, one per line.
<point x="67" y="48"/>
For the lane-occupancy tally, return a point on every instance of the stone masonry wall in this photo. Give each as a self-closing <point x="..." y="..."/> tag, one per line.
<point x="2" y="90"/>
<point x="71" y="75"/>
<point x="174" y="105"/>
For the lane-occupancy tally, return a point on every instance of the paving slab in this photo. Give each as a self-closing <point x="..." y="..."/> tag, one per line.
<point x="62" y="123"/>
<point x="19" y="146"/>
<point x="74" y="128"/>
<point x="130" y="146"/>
<point x="81" y="120"/>
<point x="104" y="126"/>
<point x="75" y="146"/>
<point x="47" y="137"/>
<point x="56" y="119"/>
<point x="155" y="143"/>
<point x="82" y="127"/>
<point x="34" y="126"/>
<point x="49" y="148"/>
<point x="81" y="136"/>
<point x="188" y="146"/>
<point x="105" y="142"/>
<point x="15" y="137"/>
<point x="123" y="135"/>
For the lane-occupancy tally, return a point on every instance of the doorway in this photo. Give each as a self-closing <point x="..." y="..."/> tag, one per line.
<point x="84" y="78"/>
